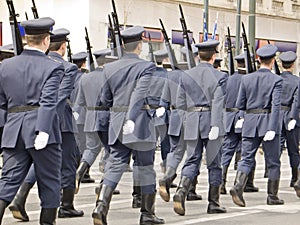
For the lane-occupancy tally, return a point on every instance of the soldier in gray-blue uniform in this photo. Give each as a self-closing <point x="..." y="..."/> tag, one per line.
<point x="29" y="93"/>
<point x="233" y="138"/>
<point x="259" y="97"/>
<point x="68" y="166"/>
<point x="201" y="95"/>
<point x="79" y="59"/>
<point x="176" y="132"/>
<point x="131" y="128"/>
<point x="96" y="118"/>
<point x="289" y="111"/>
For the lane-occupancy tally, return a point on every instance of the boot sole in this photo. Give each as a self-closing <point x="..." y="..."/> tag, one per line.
<point x="17" y="214"/>
<point x="164" y="194"/>
<point x="97" y="220"/>
<point x="235" y="198"/>
<point x="297" y="189"/>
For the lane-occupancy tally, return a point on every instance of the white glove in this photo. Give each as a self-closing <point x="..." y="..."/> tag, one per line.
<point x="128" y="127"/>
<point x="213" y="133"/>
<point x="41" y="140"/>
<point x="239" y="123"/>
<point x="76" y="115"/>
<point x="269" y="136"/>
<point x="160" y="111"/>
<point x="291" y="125"/>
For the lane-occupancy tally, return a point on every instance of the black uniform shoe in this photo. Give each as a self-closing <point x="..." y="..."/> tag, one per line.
<point x="213" y="199"/>
<point x="294" y="176"/>
<point x="272" y="198"/>
<point x="3" y="205"/>
<point x="223" y="190"/>
<point x="180" y="195"/>
<point x="238" y="156"/>
<point x="192" y="195"/>
<point x="87" y="178"/>
<point x="297" y="185"/>
<point x="237" y="190"/>
<point x="136" y="196"/>
<point x="17" y="207"/>
<point x="83" y="167"/>
<point x="148" y="216"/>
<point x="165" y="183"/>
<point x="250" y="185"/>
<point x="67" y="209"/>
<point x="48" y="216"/>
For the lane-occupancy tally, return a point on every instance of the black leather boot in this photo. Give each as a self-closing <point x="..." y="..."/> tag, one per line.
<point x="237" y="190"/>
<point x="180" y="195"/>
<point x="148" y="216"/>
<point x="17" y="207"/>
<point x="213" y="199"/>
<point x="273" y="199"/>
<point x="237" y="158"/>
<point x="250" y="185"/>
<point x="67" y="209"/>
<point x="223" y="190"/>
<point x="83" y="167"/>
<point x="3" y="205"/>
<point x="165" y="184"/>
<point x="297" y="185"/>
<point x="192" y="195"/>
<point x="48" y="216"/>
<point x="102" y="205"/>
<point x="87" y="178"/>
<point x="136" y="195"/>
<point x="294" y="176"/>
<point x="266" y="170"/>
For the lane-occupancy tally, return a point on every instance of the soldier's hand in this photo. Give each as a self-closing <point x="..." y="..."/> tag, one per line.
<point x="128" y="127"/>
<point x="239" y="123"/>
<point x="291" y="124"/>
<point x="213" y="133"/>
<point x="76" y="115"/>
<point x="269" y="136"/>
<point x="160" y="111"/>
<point x="41" y="140"/>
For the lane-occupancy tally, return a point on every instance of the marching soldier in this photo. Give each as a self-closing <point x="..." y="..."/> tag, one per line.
<point x="29" y="92"/>
<point x="290" y="112"/>
<point x="126" y="92"/>
<point x="259" y="97"/>
<point x="233" y="139"/>
<point x="201" y="95"/>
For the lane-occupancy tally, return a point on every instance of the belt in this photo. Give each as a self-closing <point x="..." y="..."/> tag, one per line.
<point x="22" y="108"/>
<point x="98" y="108"/>
<point x="125" y="108"/>
<point x="199" y="109"/>
<point x="232" y="110"/>
<point x="258" y="111"/>
<point x="285" y="108"/>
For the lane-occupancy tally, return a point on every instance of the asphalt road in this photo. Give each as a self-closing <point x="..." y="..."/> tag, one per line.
<point x="256" y="212"/>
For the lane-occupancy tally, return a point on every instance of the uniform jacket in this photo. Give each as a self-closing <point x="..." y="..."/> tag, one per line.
<point x="260" y="90"/>
<point x="202" y="86"/>
<point x="127" y="85"/>
<point x="66" y="87"/>
<point x="168" y="100"/>
<point x="31" y="79"/>
<point x="289" y="97"/>
<point x="90" y="89"/>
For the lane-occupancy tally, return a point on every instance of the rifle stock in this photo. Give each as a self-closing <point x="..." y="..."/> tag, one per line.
<point x="16" y="35"/>
<point x="89" y="51"/>
<point x="112" y="37"/>
<point x="117" y="30"/>
<point x="34" y="10"/>
<point x="187" y="44"/>
<point x="230" y="55"/>
<point x="248" y="63"/>
<point x="151" y="55"/>
<point x="171" y="55"/>
<point x="69" y="51"/>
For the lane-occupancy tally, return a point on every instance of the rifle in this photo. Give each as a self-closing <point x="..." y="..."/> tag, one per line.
<point x="34" y="10"/>
<point x="26" y="16"/>
<point x="69" y="51"/>
<point x="248" y="63"/>
<point x="117" y="33"/>
<point x="253" y="59"/>
<point x="276" y="67"/>
<point x="171" y="55"/>
<point x="16" y="35"/>
<point x="89" y="51"/>
<point x="230" y="55"/>
<point x="112" y="37"/>
<point x="151" y="55"/>
<point x="189" y="55"/>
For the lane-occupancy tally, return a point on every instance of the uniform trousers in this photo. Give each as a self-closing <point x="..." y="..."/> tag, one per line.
<point x="177" y="150"/>
<point x="232" y="143"/>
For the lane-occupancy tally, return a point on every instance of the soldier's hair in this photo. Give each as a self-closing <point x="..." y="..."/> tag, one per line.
<point x="241" y="64"/>
<point x="287" y="65"/>
<point x="79" y="63"/>
<point x="54" y="46"/>
<point x="207" y="55"/>
<point x="266" y="61"/>
<point x="131" y="46"/>
<point x="35" y="39"/>
<point x="101" y="60"/>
